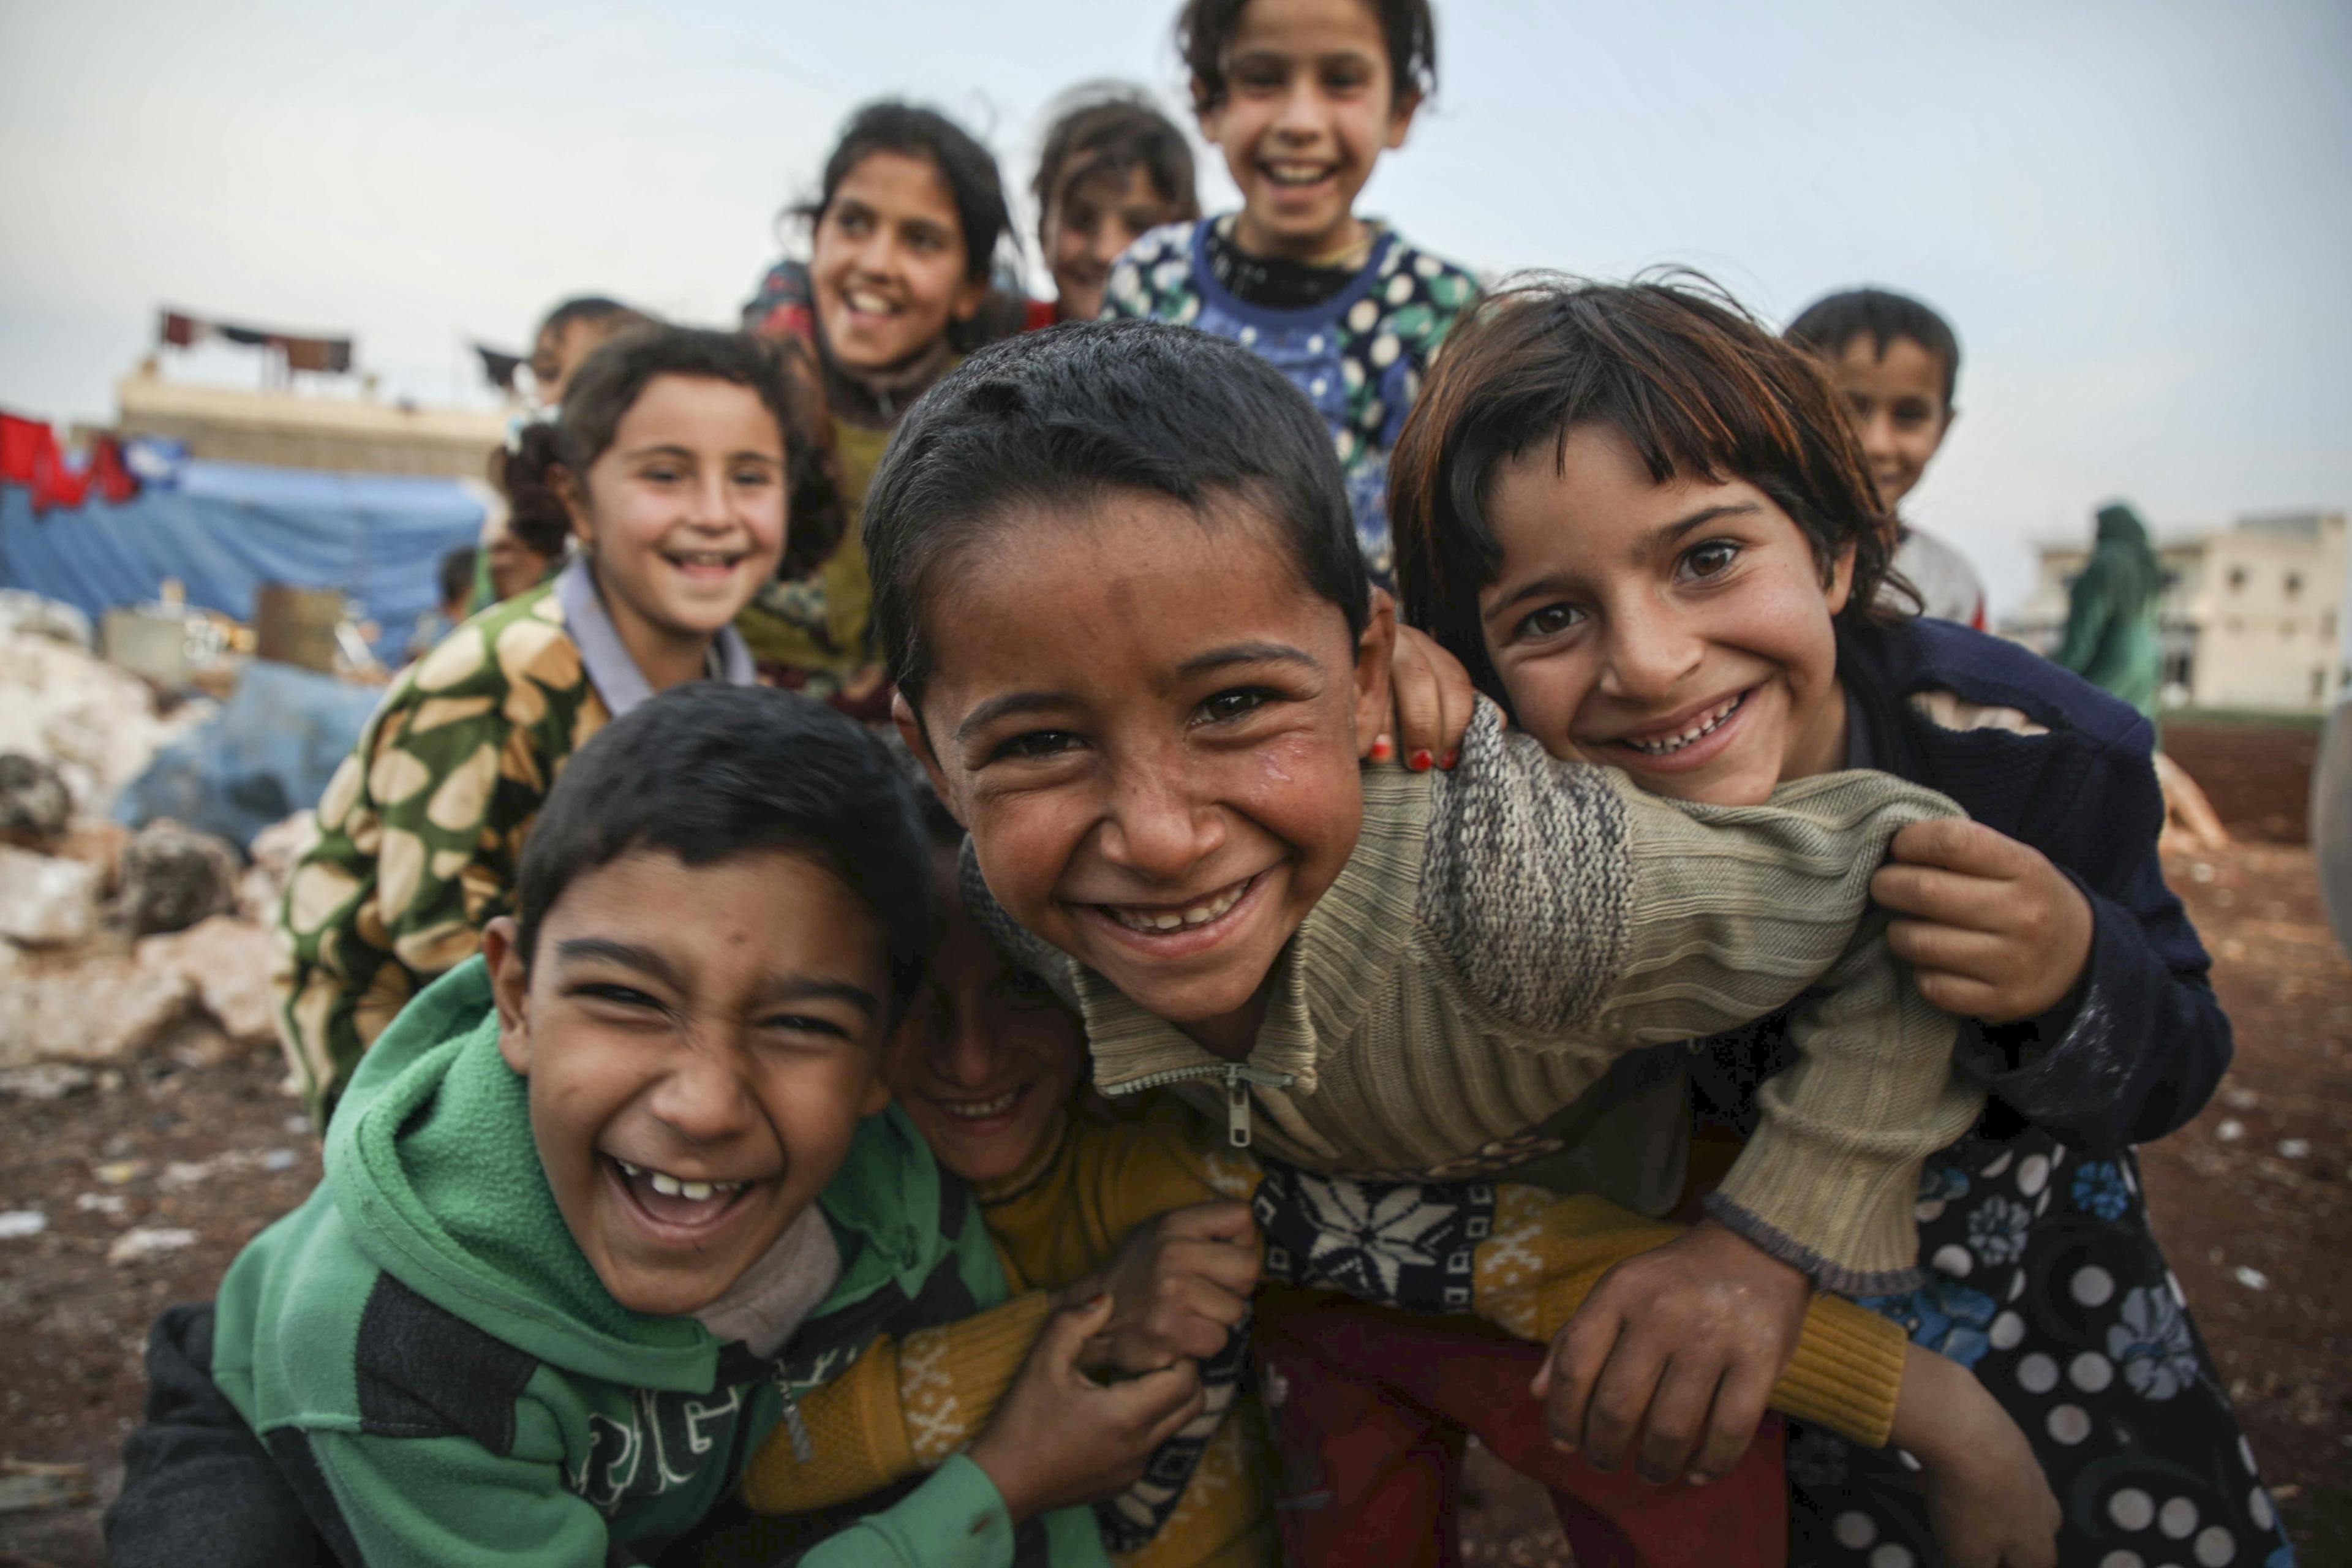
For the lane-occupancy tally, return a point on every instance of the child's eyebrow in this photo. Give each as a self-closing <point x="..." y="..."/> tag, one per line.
<point x="808" y="988"/>
<point x="660" y="449"/>
<point x="1244" y="653"/>
<point x="627" y="955"/>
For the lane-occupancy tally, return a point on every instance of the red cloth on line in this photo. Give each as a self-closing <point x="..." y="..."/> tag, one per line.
<point x="1368" y="1407"/>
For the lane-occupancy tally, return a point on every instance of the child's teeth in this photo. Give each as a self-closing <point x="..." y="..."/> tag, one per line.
<point x="697" y="1191"/>
<point x="625" y="1166"/>
<point x="1169" y="920"/>
<point x="667" y="1185"/>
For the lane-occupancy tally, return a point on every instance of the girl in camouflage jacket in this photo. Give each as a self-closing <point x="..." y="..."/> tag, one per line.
<point x="686" y="455"/>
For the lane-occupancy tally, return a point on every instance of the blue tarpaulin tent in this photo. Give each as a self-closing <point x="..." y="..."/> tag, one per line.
<point x="230" y="526"/>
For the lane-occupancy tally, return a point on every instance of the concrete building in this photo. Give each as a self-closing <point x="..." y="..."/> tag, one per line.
<point x="358" y="435"/>
<point x="2253" y="613"/>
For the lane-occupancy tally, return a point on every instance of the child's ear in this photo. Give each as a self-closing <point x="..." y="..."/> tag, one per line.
<point x="1840" y="586"/>
<point x="966" y="304"/>
<point x="1374" y="652"/>
<point x="878" y="1097"/>
<point x="1401" y="109"/>
<point x="510" y="985"/>
<point x="911" y="730"/>
<point x="574" y="494"/>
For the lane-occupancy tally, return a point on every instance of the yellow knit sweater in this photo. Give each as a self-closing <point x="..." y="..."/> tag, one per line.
<point x="905" y="1407"/>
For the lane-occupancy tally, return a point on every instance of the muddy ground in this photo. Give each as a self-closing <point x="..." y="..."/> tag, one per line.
<point x="2258" y="1189"/>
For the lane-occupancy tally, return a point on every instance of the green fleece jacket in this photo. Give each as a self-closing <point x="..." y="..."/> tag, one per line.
<point x="437" y="1367"/>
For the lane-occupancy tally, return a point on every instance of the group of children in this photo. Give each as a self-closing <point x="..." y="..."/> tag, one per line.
<point x="1219" y="1037"/>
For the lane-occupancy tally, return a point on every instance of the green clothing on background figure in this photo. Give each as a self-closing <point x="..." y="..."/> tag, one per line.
<point x="2112" y="614"/>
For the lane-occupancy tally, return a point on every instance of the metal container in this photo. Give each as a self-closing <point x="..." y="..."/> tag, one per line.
<point x="297" y="625"/>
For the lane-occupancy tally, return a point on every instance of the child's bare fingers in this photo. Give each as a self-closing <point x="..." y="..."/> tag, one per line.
<point x="1739" y="1401"/>
<point x="1964" y="995"/>
<point x="1620" y="1401"/>
<point x="1931" y="944"/>
<point x="1953" y="897"/>
<point x="1565" y="1384"/>
<point x="1677" y="1418"/>
<point x="1957" y="845"/>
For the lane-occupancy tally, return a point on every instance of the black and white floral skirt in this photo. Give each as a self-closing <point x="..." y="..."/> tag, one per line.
<point x="2046" y="1280"/>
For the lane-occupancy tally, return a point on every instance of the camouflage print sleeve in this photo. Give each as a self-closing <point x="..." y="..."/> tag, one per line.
<point x="419" y="832"/>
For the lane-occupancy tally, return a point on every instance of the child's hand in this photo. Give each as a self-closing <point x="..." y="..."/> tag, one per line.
<point x="1996" y="932"/>
<point x="1060" y="1439"/>
<point x="1430" y="702"/>
<point x="1987" y="1498"/>
<point x="1178" y="1286"/>
<point x="1673" y="1349"/>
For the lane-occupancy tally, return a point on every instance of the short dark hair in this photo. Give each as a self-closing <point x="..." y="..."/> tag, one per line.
<point x="1691" y="380"/>
<point x="1204" y="31"/>
<point x="593" y="307"/>
<point x="523" y="470"/>
<point x="967" y="168"/>
<point x="1108" y="129"/>
<point x="1828" y="324"/>
<point x="455" y="575"/>
<point x="1089" y="409"/>
<point x="780" y="371"/>
<point x="706" y="771"/>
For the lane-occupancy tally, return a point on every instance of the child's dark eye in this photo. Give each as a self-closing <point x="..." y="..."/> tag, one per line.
<point x="1549" y="621"/>
<point x="754" y="476"/>
<point x="1242" y="701"/>
<point x="619" y="995"/>
<point x="1033" y="745"/>
<point x="663" y="475"/>
<point x="804" y="1024"/>
<point x="1711" y="559"/>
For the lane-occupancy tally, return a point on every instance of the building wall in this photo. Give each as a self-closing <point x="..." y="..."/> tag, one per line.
<point x="342" y="435"/>
<point x="2253" y="616"/>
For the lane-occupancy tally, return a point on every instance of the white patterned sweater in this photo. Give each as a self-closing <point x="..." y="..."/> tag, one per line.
<point x="1503" y="931"/>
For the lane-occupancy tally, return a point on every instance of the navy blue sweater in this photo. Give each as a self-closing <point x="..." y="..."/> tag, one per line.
<point x="2135" y="1050"/>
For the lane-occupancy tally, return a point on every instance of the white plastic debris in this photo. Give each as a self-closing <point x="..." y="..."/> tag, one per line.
<point x="137" y="1246"/>
<point x="2252" y="1279"/>
<point x="278" y="1160"/>
<point x="22" y="1221"/>
<point x="2230" y="1131"/>
<point x="101" y="1203"/>
<point x="2293" y="1148"/>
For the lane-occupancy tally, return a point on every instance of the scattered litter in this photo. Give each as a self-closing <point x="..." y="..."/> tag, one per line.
<point x="101" y="1203"/>
<point x="298" y="1123"/>
<point x="2230" y="1131"/>
<point x="22" y="1221"/>
<point x="2252" y="1279"/>
<point x="45" y="1081"/>
<point x="134" y="1246"/>
<point x="279" y="1160"/>
<point x="2237" y="1098"/>
<point x="114" y="1173"/>
<point x="26" y="1486"/>
<point x="2293" y="1148"/>
<point x="184" y="1174"/>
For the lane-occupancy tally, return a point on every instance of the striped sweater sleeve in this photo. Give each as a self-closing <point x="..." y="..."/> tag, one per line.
<point x="1578" y="905"/>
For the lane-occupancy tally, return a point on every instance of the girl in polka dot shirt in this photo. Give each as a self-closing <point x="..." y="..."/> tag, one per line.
<point x="1302" y="97"/>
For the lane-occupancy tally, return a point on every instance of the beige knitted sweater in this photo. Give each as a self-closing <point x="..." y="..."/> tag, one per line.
<point x="1505" y="930"/>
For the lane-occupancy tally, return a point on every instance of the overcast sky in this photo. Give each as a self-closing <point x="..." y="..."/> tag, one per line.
<point x="2138" y="214"/>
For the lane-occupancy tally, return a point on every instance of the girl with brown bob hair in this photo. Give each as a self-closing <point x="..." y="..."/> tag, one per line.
<point x="1642" y="522"/>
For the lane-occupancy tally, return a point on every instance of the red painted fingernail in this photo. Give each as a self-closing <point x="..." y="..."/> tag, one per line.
<point x="1420" y="761"/>
<point x="1449" y="759"/>
<point x="1383" y="750"/>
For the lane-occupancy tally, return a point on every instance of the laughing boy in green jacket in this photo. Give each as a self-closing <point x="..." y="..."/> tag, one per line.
<point x="600" y="1204"/>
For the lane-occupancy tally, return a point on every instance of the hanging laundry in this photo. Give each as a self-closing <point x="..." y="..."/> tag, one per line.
<point x="27" y="447"/>
<point x="499" y="367"/>
<point x="184" y="331"/>
<point x="107" y="473"/>
<point x="331" y="356"/>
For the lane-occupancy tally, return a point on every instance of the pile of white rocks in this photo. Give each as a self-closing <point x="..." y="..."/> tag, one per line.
<point x="112" y="942"/>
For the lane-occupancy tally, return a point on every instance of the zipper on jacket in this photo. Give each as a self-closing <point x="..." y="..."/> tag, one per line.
<point x="1237" y="1077"/>
<point x="795" y="1423"/>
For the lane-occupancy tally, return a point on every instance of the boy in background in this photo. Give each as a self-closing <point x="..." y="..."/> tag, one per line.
<point x="1896" y="363"/>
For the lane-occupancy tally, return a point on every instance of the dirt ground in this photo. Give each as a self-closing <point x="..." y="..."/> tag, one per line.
<point x="2254" y="1202"/>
